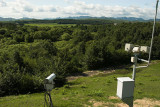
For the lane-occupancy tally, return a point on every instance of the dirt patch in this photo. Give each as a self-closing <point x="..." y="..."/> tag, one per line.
<point x="145" y="102"/>
<point x="113" y="97"/>
<point x="96" y="72"/>
<point x="141" y="103"/>
<point x="118" y="104"/>
<point x="71" y="78"/>
<point x="89" y="74"/>
<point x="99" y="104"/>
<point x="121" y="105"/>
<point x="100" y="71"/>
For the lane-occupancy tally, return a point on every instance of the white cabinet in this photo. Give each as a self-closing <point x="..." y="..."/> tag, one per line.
<point x="125" y="87"/>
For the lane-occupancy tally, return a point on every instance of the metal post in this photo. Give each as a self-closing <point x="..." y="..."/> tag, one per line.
<point x="134" y="66"/>
<point x="149" y="59"/>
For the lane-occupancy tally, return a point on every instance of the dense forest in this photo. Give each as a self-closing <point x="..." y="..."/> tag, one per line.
<point x="28" y="54"/>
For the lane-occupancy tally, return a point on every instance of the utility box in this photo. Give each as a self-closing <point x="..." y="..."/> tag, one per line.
<point x="133" y="59"/>
<point x="49" y="87"/>
<point x="136" y="49"/>
<point x="125" y="87"/>
<point x="128" y="47"/>
<point x="145" y="49"/>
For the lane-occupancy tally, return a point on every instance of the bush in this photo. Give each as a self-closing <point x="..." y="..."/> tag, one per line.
<point x="19" y="83"/>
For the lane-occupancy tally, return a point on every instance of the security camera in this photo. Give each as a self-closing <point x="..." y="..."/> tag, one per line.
<point x="49" y="83"/>
<point x="50" y="79"/>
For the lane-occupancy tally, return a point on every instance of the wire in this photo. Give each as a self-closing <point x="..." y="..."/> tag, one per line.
<point x="149" y="59"/>
<point x="48" y="99"/>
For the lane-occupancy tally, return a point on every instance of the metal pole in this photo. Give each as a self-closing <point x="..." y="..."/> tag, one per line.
<point x="134" y="67"/>
<point x="149" y="59"/>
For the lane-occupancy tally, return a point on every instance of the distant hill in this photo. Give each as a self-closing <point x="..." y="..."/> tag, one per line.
<point x="25" y="18"/>
<point x="7" y="19"/>
<point x="111" y="18"/>
<point x="130" y="18"/>
<point x="13" y="19"/>
<point x="81" y="17"/>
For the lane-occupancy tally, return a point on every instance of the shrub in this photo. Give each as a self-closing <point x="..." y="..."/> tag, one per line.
<point x="19" y="83"/>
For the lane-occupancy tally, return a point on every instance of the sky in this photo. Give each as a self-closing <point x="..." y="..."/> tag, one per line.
<point x="41" y="9"/>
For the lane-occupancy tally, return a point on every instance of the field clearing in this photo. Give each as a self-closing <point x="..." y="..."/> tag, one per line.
<point x="49" y="24"/>
<point x="97" y="90"/>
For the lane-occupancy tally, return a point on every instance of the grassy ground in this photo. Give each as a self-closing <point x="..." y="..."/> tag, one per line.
<point x="85" y="90"/>
<point x="49" y="24"/>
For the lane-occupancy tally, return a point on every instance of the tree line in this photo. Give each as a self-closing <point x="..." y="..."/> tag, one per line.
<point x="72" y="21"/>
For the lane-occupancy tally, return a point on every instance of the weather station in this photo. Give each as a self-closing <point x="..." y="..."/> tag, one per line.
<point x="49" y="85"/>
<point x="125" y="85"/>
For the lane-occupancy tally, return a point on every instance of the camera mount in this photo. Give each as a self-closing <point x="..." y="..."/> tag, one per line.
<point x="49" y="85"/>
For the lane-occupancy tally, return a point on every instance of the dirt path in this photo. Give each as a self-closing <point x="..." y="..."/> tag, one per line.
<point x="101" y="71"/>
<point x="89" y="74"/>
<point x="96" y="72"/>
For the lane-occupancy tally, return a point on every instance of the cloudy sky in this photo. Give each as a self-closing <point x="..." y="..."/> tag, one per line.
<point x="65" y="8"/>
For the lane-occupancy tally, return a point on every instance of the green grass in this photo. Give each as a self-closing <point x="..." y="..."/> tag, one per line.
<point x="49" y="24"/>
<point x="82" y="91"/>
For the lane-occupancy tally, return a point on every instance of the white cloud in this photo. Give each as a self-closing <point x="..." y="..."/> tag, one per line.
<point x="28" y="9"/>
<point x="3" y="3"/>
<point x="22" y="8"/>
<point x="45" y="9"/>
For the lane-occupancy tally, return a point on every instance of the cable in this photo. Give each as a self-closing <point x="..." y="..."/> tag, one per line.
<point x="149" y="59"/>
<point x="48" y="102"/>
<point x="47" y="95"/>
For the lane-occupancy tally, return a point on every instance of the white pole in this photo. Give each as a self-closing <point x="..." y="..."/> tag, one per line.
<point x="134" y="66"/>
<point x="149" y="59"/>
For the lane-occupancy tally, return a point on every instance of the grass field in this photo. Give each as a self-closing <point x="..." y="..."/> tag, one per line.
<point x="85" y="90"/>
<point x="49" y="24"/>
